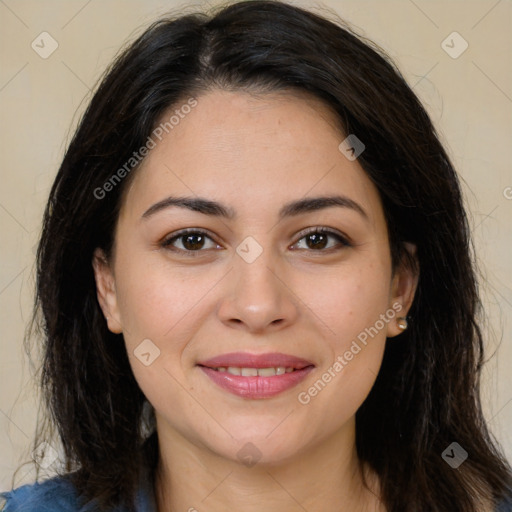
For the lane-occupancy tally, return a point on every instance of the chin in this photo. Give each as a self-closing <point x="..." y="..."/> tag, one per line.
<point x="259" y="449"/>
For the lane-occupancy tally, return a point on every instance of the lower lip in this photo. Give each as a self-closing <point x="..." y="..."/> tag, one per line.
<point x="256" y="387"/>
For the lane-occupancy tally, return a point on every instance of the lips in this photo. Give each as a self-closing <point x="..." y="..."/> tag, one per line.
<point x="244" y="360"/>
<point x="256" y="376"/>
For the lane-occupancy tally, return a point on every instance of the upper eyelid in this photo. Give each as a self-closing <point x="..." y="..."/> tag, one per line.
<point x="188" y="231"/>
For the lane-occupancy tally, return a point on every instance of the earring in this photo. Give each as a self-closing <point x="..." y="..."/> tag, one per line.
<point x="401" y="321"/>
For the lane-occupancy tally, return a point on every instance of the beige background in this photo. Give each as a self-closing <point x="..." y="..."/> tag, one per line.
<point x="469" y="99"/>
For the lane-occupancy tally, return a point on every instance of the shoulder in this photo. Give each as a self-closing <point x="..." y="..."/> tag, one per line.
<point x="505" y="505"/>
<point x="58" y="494"/>
<point x="54" y="495"/>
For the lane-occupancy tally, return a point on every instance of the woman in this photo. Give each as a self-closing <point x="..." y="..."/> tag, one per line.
<point x="255" y="284"/>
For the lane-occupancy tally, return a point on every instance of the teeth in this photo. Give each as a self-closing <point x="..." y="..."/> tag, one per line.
<point x="266" y="372"/>
<point x="255" y="372"/>
<point x="249" y="372"/>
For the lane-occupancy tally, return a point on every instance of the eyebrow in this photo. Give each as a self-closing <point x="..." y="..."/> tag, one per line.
<point x="213" y="208"/>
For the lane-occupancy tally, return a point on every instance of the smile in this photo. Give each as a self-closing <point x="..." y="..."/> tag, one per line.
<point x="256" y="376"/>
<point x="255" y="372"/>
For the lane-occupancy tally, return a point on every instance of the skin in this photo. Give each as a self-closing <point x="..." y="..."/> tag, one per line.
<point x="254" y="154"/>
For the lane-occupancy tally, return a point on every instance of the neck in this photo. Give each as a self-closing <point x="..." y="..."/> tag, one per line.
<point x="326" y="477"/>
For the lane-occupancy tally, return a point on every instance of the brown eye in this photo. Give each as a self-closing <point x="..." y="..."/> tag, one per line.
<point x="189" y="241"/>
<point x="317" y="239"/>
<point x="192" y="242"/>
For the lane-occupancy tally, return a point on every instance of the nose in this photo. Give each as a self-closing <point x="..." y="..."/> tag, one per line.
<point x="258" y="298"/>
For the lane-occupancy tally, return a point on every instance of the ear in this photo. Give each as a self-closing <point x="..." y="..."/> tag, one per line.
<point x="106" y="291"/>
<point x="403" y="288"/>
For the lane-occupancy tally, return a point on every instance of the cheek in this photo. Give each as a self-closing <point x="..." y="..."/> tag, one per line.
<point x="161" y="309"/>
<point x="156" y="305"/>
<point x="351" y="305"/>
<point x="156" y="300"/>
<point x="348" y="300"/>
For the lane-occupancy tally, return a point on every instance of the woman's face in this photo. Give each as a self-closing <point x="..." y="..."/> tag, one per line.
<point x="254" y="278"/>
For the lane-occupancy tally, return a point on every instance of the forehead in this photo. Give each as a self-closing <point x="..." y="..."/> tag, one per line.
<point x="251" y="152"/>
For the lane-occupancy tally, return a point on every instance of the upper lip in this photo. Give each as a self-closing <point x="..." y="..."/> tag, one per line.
<point x="245" y="360"/>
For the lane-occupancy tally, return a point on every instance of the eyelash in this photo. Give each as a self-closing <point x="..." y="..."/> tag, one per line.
<point x="167" y="243"/>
